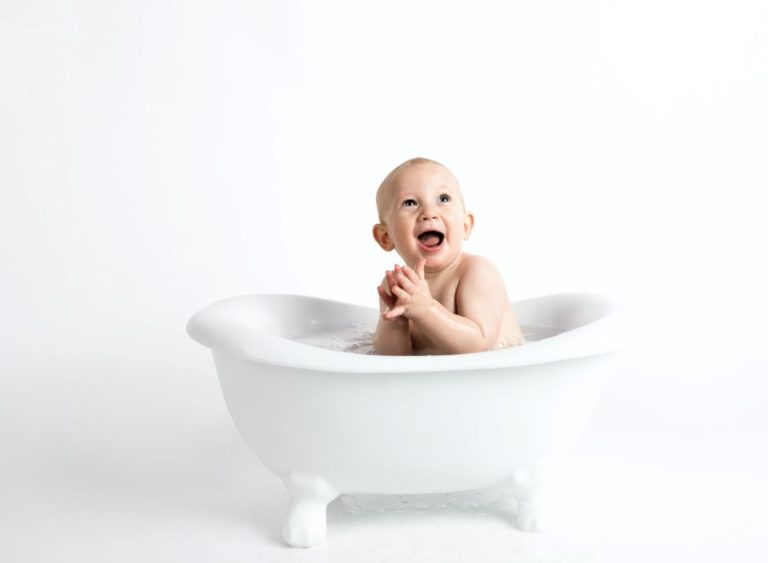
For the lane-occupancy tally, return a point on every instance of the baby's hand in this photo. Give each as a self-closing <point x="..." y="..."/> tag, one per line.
<point x="390" y="301"/>
<point x="411" y="290"/>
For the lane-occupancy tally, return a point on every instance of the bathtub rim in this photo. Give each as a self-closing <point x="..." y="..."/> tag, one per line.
<point x="212" y="328"/>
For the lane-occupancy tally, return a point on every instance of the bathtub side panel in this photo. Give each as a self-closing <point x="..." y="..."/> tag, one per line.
<point x="411" y="433"/>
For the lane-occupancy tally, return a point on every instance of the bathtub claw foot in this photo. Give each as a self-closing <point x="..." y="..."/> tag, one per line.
<point x="525" y="487"/>
<point x="306" y="524"/>
<point x="527" y="516"/>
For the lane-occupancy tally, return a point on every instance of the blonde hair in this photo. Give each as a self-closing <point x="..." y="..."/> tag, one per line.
<point x="395" y="171"/>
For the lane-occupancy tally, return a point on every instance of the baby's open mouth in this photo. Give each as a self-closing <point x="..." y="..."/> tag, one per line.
<point x="431" y="239"/>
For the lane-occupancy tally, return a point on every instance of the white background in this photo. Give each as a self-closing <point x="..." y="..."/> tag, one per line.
<point x="158" y="156"/>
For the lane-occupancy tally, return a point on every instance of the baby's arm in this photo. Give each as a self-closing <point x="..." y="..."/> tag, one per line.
<point x="392" y="336"/>
<point x="480" y="302"/>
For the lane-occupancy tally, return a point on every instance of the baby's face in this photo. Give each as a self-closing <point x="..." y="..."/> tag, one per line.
<point x="423" y="215"/>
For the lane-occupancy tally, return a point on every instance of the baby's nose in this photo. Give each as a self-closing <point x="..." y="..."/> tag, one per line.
<point x="428" y="215"/>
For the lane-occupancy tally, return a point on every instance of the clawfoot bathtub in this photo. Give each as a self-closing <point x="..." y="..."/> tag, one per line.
<point x="331" y="422"/>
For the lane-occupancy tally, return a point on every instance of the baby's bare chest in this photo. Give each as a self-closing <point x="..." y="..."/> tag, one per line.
<point x="445" y="293"/>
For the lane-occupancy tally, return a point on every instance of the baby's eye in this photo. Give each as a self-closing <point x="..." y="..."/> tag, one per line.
<point x="409" y="203"/>
<point x="445" y="198"/>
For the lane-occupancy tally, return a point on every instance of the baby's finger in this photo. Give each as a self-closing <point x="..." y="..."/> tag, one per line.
<point x="388" y="300"/>
<point x="391" y="281"/>
<point x="399" y="273"/>
<point x="394" y="313"/>
<point x="405" y="283"/>
<point x="420" y="265"/>
<point x="412" y="275"/>
<point x="400" y="293"/>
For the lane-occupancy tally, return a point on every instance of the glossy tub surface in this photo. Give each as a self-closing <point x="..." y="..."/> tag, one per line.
<point x="330" y="422"/>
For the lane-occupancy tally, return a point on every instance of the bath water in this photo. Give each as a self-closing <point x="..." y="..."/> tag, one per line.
<point x="358" y="339"/>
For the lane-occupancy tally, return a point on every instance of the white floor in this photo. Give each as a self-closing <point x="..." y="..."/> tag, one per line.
<point x="111" y="460"/>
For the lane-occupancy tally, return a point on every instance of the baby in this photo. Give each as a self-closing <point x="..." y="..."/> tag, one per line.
<point x="442" y="301"/>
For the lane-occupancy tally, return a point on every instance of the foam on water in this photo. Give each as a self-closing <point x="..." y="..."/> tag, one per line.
<point x="358" y="338"/>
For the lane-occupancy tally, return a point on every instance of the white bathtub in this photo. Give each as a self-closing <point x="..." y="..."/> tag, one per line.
<point x="330" y="422"/>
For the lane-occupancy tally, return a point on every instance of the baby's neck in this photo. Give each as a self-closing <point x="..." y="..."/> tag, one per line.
<point x="436" y="275"/>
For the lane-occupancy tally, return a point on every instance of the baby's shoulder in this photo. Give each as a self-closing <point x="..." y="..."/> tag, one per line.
<point x="473" y="264"/>
<point x="478" y="271"/>
<point x="480" y="287"/>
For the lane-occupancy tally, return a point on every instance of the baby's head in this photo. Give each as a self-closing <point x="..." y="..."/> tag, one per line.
<point x="422" y="214"/>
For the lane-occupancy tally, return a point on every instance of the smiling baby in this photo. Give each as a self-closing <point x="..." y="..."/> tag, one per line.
<point x="442" y="301"/>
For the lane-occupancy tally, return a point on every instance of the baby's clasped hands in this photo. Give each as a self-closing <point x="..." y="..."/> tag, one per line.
<point x="407" y="295"/>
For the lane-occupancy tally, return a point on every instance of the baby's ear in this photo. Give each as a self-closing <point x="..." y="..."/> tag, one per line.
<point x="382" y="237"/>
<point x="469" y="222"/>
